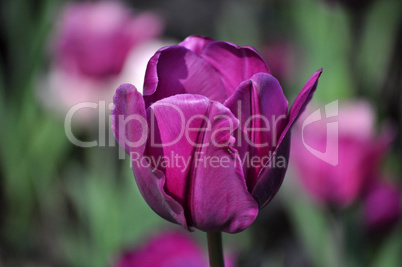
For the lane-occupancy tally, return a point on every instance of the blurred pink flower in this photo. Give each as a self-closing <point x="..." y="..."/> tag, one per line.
<point x="382" y="206"/>
<point x="359" y="154"/>
<point x="94" y="39"/>
<point x="169" y="249"/>
<point x="96" y="47"/>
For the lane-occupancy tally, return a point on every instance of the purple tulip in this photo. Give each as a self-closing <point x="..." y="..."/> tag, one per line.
<point x="220" y="123"/>
<point x="382" y="206"/>
<point x="94" y="39"/>
<point x="169" y="249"/>
<point x="359" y="152"/>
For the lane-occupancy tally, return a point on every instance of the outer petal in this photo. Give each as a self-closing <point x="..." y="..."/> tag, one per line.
<point x="178" y="70"/>
<point x="129" y="125"/>
<point x="172" y="144"/>
<point x="196" y="43"/>
<point x="128" y="102"/>
<point x="271" y="176"/>
<point x="303" y="98"/>
<point x="221" y="201"/>
<point x="197" y="131"/>
<point x="301" y="101"/>
<point x="234" y="64"/>
<point x="261" y="107"/>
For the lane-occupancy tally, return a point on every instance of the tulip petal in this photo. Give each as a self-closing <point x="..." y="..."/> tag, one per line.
<point x="301" y="101"/>
<point x="196" y="43"/>
<point x="128" y="126"/>
<point x="195" y="130"/>
<point x="235" y="64"/>
<point x="221" y="201"/>
<point x="176" y="123"/>
<point x="128" y="107"/>
<point x="271" y="176"/>
<point x="261" y="107"/>
<point x="273" y="173"/>
<point x="178" y="70"/>
<point x="303" y="98"/>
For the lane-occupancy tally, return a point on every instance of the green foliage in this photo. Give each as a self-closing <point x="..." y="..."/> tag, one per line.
<point x="111" y="212"/>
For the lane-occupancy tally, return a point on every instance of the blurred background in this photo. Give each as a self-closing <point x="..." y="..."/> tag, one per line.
<point x="66" y="199"/>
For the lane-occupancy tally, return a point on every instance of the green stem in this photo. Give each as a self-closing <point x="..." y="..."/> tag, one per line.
<point x="337" y="232"/>
<point x="215" y="250"/>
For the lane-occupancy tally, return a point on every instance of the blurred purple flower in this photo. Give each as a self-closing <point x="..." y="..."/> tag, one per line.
<point x="95" y="46"/>
<point x="359" y="154"/>
<point x="94" y="39"/>
<point x="231" y="108"/>
<point x="382" y="206"/>
<point x="169" y="249"/>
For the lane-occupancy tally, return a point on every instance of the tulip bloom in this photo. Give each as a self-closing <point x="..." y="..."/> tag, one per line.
<point x="166" y="250"/>
<point x="358" y="151"/>
<point x="209" y="139"/>
<point x="94" y="46"/>
<point x="94" y="39"/>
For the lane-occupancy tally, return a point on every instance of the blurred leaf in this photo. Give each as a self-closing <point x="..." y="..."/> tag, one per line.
<point x="32" y="143"/>
<point x="381" y="27"/>
<point x="31" y="150"/>
<point x="324" y="34"/>
<point x="311" y="224"/>
<point x="238" y="24"/>
<point x="111" y="208"/>
<point x="27" y="29"/>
